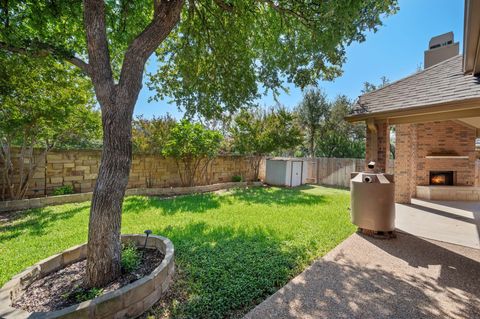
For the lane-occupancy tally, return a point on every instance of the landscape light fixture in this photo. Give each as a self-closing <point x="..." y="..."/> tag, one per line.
<point x="147" y="232"/>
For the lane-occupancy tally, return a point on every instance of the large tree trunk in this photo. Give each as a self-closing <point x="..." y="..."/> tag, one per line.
<point x="117" y="102"/>
<point x="104" y="245"/>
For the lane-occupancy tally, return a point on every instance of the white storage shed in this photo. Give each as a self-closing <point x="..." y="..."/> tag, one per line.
<point x="285" y="172"/>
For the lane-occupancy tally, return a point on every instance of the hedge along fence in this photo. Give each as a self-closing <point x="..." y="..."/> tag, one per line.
<point x="79" y="168"/>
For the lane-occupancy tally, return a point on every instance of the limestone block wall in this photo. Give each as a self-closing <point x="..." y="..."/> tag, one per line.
<point x="37" y="182"/>
<point x="79" y="168"/>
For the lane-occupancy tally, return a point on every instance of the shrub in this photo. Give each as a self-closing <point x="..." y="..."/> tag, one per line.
<point x="192" y="146"/>
<point x="237" y="178"/>
<point x="63" y="190"/>
<point x="80" y="294"/>
<point x="130" y="257"/>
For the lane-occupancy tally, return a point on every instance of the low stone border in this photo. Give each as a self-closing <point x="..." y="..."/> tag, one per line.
<point x="13" y="205"/>
<point x="437" y="192"/>
<point x="127" y="302"/>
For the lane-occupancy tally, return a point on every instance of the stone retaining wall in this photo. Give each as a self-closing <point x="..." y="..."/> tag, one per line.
<point x="127" y="302"/>
<point x="79" y="168"/>
<point x="22" y="204"/>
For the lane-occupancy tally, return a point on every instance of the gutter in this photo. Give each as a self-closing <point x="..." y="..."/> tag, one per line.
<point x="444" y="107"/>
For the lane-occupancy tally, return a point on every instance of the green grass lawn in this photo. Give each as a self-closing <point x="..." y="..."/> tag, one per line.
<point x="233" y="249"/>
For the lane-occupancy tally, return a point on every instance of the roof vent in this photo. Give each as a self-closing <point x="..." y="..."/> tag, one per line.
<point x="440" y="48"/>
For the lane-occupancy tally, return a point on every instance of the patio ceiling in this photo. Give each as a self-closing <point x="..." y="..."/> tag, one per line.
<point x="472" y="121"/>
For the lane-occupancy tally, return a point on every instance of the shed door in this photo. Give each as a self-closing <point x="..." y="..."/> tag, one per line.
<point x="296" y="177"/>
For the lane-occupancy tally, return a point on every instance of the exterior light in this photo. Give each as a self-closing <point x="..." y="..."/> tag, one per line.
<point x="147" y="232"/>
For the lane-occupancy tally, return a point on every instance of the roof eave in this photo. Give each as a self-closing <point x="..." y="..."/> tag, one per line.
<point x="471" y="39"/>
<point x="448" y="106"/>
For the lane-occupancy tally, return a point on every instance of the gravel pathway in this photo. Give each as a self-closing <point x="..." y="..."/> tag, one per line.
<point x="407" y="277"/>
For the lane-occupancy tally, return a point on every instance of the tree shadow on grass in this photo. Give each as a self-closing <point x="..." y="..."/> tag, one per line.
<point x="197" y="203"/>
<point x="278" y="196"/>
<point x="226" y="270"/>
<point x="35" y="221"/>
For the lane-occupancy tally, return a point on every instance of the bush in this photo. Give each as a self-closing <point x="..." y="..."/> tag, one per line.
<point x="80" y="294"/>
<point x="237" y="178"/>
<point x="130" y="257"/>
<point x="63" y="190"/>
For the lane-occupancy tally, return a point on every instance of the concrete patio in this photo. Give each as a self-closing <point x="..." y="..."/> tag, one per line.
<point x="456" y="222"/>
<point x="408" y="277"/>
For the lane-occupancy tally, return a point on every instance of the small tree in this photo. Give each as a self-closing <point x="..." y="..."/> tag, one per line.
<point x="191" y="144"/>
<point x="369" y="87"/>
<point x="340" y="138"/>
<point x="151" y="135"/>
<point x="44" y="104"/>
<point x="258" y="133"/>
<point x="312" y="112"/>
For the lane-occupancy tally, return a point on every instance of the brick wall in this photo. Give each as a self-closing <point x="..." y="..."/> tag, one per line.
<point x="414" y="142"/>
<point x="443" y="138"/>
<point x="405" y="162"/>
<point x="80" y="169"/>
<point x="377" y="146"/>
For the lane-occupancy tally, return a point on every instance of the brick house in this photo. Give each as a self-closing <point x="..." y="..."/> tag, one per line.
<point x="436" y="118"/>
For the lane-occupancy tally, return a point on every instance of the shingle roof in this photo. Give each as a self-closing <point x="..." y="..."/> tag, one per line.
<point x="443" y="82"/>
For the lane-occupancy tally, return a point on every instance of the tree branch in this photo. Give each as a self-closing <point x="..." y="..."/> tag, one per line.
<point x="98" y="51"/>
<point x="224" y="6"/>
<point x="48" y="50"/>
<point x="166" y="16"/>
<point x="288" y="11"/>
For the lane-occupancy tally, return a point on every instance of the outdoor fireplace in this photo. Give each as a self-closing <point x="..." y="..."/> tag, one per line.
<point x="441" y="177"/>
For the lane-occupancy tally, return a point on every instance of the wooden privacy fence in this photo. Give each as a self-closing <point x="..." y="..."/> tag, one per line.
<point x="335" y="171"/>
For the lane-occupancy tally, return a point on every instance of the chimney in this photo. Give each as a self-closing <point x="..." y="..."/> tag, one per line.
<point x="440" y="48"/>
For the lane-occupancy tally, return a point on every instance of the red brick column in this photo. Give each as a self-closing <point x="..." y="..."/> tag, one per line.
<point x="405" y="162"/>
<point x="378" y="144"/>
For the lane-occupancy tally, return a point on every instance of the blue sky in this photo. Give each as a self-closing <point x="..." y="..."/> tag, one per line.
<point x="395" y="51"/>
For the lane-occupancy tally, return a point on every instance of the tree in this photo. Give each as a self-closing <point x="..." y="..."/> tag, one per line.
<point x="312" y="112"/>
<point x="191" y="145"/>
<point x="369" y="87"/>
<point x="258" y="133"/>
<point x="339" y="145"/>
<point x="210" y="61"/>
<point x="151" y="135"/>
<point x="44" y="104"/>
<point x="340" y="138"/>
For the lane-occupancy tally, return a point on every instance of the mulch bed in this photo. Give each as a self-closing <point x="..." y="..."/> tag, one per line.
<point x="54" y="291"/>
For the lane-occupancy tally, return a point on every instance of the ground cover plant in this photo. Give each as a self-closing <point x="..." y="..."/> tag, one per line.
<point x="233" y="249"/>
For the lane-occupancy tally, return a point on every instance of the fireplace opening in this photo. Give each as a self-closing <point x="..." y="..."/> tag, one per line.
<point x="441" y="177"/>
